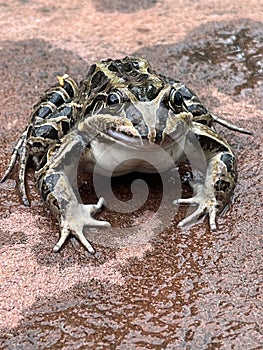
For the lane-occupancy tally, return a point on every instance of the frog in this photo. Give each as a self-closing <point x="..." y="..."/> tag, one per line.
<point x="122" y="108"/>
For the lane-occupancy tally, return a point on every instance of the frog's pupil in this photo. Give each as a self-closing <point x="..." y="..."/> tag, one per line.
<point x="113" y="99"/>
<point x="177" y="99"/>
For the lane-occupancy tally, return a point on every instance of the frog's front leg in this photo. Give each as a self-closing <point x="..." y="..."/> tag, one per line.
<point x="214" y="195"/>
<point x="56" y="184"/>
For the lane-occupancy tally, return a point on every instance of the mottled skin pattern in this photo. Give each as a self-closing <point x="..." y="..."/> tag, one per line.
<point x="123" y="103"/>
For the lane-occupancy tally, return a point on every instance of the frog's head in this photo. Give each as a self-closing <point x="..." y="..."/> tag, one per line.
<point x="128" y="103"/>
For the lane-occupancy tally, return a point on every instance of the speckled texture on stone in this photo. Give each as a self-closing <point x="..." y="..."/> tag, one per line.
<point x="153" y="288"/>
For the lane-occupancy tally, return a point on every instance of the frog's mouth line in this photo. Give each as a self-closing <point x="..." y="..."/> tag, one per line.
<point x="124" y="137"/>
<point x="143" y="142"/>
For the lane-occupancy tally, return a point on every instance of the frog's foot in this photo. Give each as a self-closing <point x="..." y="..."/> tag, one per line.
<point x="207" y="205"/>
<point x="76" y="219"/>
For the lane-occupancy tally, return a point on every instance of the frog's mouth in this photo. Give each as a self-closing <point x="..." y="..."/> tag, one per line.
<point x="122" y="130"/>
<point x="131" y="137"/>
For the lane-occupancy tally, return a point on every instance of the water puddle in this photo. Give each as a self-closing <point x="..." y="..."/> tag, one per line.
<point x="221" y="54"/>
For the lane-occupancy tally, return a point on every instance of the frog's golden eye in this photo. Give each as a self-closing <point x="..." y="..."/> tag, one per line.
<point x="114" y="98"/>
<point x="175" y="99"/>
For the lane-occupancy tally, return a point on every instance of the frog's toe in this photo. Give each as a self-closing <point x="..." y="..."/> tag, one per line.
<point x="206" y="206"/>
<point x="98" y="223"/>
<point x="197" y="215"/>
<point x="85" y="242"/>
<point x="95" y="208"/>
<point x="65" y="233"/>
<point x="184" y="201"/>
<point x="76" y="220"/>
<point x="212" y="219"/>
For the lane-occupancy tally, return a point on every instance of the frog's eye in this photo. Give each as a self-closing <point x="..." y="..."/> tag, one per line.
<point x="175" y="99"/>
<point x="114" y="98"/>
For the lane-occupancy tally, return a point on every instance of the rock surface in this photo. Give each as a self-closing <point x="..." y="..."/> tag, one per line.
<point x="150" y="285"/>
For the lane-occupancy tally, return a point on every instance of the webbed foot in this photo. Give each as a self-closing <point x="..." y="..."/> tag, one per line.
<point x="76" y="219"/>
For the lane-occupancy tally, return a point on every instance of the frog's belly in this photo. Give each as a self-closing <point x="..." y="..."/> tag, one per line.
<point x="116" y="159"/>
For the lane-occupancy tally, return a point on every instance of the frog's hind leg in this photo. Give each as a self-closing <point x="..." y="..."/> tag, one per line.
<point x="20" y="151"/>
<point x="50" y="119"/>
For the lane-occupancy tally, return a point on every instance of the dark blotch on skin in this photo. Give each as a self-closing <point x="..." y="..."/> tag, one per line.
<point x="98" y="78"/>
<point x="62" y="111"/>
<point x="46" y="131"/>
<point x="144" y="93"/>
<point x="49" y="184"/>
<point x="68" y="88"/>
<point x="38" y="145"/>
<point x="208" y="144"/>
<point x="197" y="109"/>
<point x="65" y="127"/>
<point x="113" y="68"/>
<point x="221" y="185"/>
<point x="122" y="67"/>
<point x="91" y="70"/>
<point x="229" y="161"/>
<point x="57" y="99"/>
<point x="43" y="112"/>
